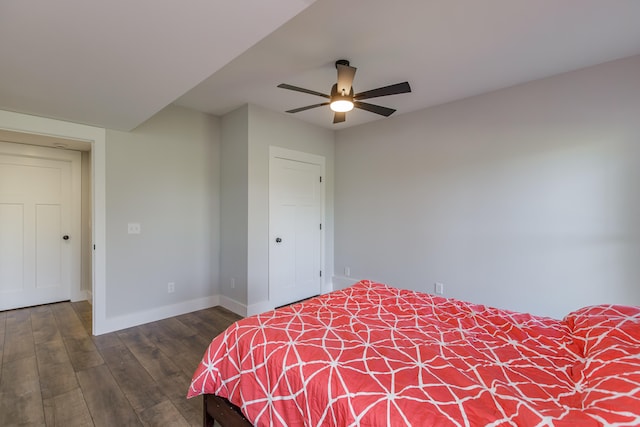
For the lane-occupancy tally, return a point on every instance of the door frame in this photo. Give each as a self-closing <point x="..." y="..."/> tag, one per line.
<point x="300" y="156"/>
<point x="18" y="122"/>
<point x="75" y="208"/>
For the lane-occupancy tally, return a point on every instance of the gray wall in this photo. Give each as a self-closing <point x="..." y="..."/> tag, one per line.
<point x="87" y="249"/>
<point x="247" y="134"/>
<point x="268" y="128"/>
<point x="525" y="198"/>
<point x="165" y="176"/>
<point x="234" y="205"/>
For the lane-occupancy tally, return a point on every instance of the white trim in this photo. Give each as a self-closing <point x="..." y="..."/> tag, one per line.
<point x="259" y="307"/>
<point x="97" y="137"/>
<point x="82" y="295"/>
<point x="99" y="231"/>
<point x="117" y="323"/>
<point x="300" y="156"/>
<point x="327" y="287"/>
<point x="233" y="305"/>
<point x="341" y="282"/>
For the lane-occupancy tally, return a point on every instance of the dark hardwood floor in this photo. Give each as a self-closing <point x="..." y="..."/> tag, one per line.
<point x="55" y="373"/>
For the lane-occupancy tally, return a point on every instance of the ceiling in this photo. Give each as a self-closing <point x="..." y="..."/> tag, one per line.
<point x="115" y="64"/>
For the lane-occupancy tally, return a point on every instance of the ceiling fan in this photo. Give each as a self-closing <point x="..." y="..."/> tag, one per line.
<point x="342" y="98"/>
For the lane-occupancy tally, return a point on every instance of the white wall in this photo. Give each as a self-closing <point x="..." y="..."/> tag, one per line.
<point x="525" y="198"/>
<point x="165" y="176"/>
<point x="268" y="128"/>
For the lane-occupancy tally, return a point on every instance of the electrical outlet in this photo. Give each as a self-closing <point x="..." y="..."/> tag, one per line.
<point x="171" y="287"/>
<point x="233" y="282"/>
<point x="133" y="228"/>
<point x="439" y="288"/>
<point x="347" y="271"/>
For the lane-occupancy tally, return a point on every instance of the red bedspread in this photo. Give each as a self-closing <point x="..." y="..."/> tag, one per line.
<point x="371" y="355"/>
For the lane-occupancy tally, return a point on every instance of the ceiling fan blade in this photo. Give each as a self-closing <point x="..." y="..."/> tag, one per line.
<point x="383" y="111"/>
<point x="308" y="107"/>
<point x="384" y="91"/>
<point x="346" y="73"/>
<point x="339" y="117"/>
<point x="301" y="89"/>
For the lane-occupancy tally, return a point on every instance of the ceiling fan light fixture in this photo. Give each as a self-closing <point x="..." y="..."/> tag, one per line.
<point x="342" y="98"/>
<point x="341" y="105"/>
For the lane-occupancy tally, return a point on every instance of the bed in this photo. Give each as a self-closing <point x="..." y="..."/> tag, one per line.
<point x="373" y="355"/>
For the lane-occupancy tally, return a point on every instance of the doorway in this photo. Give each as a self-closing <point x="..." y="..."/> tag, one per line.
<point x="33" y="128"/>
<point x="40" y="225"/>
<point x="296" y="207"/>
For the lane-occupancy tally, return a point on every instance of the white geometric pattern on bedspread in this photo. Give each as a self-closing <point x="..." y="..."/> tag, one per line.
<point x="375" y="355"/>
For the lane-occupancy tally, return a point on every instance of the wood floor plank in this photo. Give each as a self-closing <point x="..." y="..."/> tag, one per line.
<point x="163" y="414"/>
<point x="205" y="329"/>
<point x="85" y="359"/>
<point x="159" y="335"/>
<point x="44" y="326"/>
<point x="68" y="322"/>
<point x="67" y="410"/>
<point x="191" y="409"/>
<point x="57" y="379"/>
<point x="164" y="371"/>
<point x="52" y="352"/>
<point x="53" y="372"/>
<point x="106" y="402"/>
<point x="158" y="364"/>
<point x="81" y="349"/>
<point x="194" y="349"/>
<point x="106" y="340"/>
<point x="18" y="340"/>
<point x="79" y="344"/>
<point x="83" y="310"/>
<point x="179" y="328"/>
<point x="220" y="317"/>
<point x="135" y="382"/>
<point x="172" y="344"/>
<point x="20" y="398"/>
<point x="3" y="318"/>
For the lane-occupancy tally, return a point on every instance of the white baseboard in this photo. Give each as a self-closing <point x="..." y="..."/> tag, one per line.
<point x="233" y="305"/>
<point x="117" y="323"/>
<point x="341" y="282"/>
<point x="263" y="306"/>
<point x="326" y="288"/>
<point x="259" y="307"/>
<point x="82" y="295"/>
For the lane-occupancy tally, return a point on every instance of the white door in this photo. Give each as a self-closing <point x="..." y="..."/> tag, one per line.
<point x="36" y="227"/>
<point x="295" y="230"/>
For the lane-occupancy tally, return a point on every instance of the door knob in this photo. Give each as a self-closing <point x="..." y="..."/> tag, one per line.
<point x="65" y="237"/>
<point x="278" y="240"/>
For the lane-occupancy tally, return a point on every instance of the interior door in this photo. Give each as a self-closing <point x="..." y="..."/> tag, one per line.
<point x="295" y="228"/>
<point x="35" y="227"/>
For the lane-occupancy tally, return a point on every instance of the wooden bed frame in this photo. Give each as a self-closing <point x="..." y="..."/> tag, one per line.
<point x="225" y="413"/>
